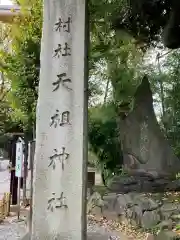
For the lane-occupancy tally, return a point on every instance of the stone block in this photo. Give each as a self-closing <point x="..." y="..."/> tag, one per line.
<point x="166" y="225"/>
<point x="167" y="235"/>
<point x="146" y="204"/>
<point x="173" y="185"/>
<point x="150" y="219"/>
<point x="137" y="215"/>
<point x="96" y="211"/>
<point x="150" y="237"/>
<point x="175" y="217"/>
<point x="110" y="201"/>
<point x="94" y="201"/>
<point x="125" y="200"/>
<point x="169" y="209"/>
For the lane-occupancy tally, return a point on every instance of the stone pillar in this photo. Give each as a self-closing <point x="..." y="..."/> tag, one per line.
<point x="59" y="177"/>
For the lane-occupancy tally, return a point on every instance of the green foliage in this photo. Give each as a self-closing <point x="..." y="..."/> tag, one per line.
<point x="22" y="63"/>
<point x="171" y="82"/>
<point x="178" y="176"/>
<point x="104" y="138"/>
<point x="177" y="227"/>
<point x="142" y="19"/>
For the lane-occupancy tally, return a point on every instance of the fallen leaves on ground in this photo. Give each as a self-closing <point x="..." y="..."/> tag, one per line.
<point x="131" y="232"/>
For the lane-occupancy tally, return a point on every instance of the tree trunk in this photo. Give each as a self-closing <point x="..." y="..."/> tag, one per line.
<point x="162" y="94"/>
<point x="60" y="156"/>
<point x="106" y="91"/>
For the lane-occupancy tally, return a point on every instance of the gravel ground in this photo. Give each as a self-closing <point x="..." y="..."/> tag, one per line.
<point x="12" y="231"/>
<point x="117" y="230"/>
<point x="96" y="232"/>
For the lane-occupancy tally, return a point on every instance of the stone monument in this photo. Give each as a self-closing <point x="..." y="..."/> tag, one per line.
<point x="60" y="167"/>
<point x="147" y="154"/>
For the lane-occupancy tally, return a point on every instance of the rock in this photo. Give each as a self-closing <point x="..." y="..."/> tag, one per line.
<point x="167" y="235"/>
<point x="173" y="185"/>
<point x="124" y="180"/>
<point x="108" y="209"/>
<point x="166" y="225"/>
<point x="110" y="201"/>
<point x="175" y="217"/>
<point x="161" y="182"/>
<point x="168" y="209"/>
<point x="125" y="200"/>
<point x="150" y="237"/>
<point x="95" y="201"/>
<point x="136" y="215"/>
<point x="142" y="183"/>
<point x="121" y="184"/>
<point x="150" y="219"/>
<point x="146" y="204"/>
<point x="97" y="211"/>
<point x="142" y="138"/>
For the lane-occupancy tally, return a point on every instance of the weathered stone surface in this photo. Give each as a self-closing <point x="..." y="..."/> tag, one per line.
<point x="110" y="201"/>
<point x="144" y="146"/>
<point x="136" y="215"/>
<point x="150" y="237"/>
<point x="167" y="235"/>
<point x="168" y="209"/>
<point x="143" y="184"/>
<point x="173" y="185"/>
<point x="123" y="184"/>
<point x="59" y="186"/>
<point x="125" y="200"/>
<point x="150" y="219"/>
<point x="94" y="201"/>
<point x="166" y="224"/>
<point x="146" y="204"/>
<point x="136" y="208"/>
<point x="175" y="217"/>
<point x="125" y="180"/>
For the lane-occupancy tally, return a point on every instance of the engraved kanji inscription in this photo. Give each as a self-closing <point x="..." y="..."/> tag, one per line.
<point x="61" y="157"/>
<point x="55" y="119"/>
<point x="60" y="119"/>
<point x="62" y="50"/>
<point x="54" y="202"/>
<point x="62" y="79"/>
<point x="62" y="201"/>
<point x="65" y="118"/>
<point x="64" y="25"/>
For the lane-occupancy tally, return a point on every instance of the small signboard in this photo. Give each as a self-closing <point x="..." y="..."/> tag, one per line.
<point x="19" y="158"/>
